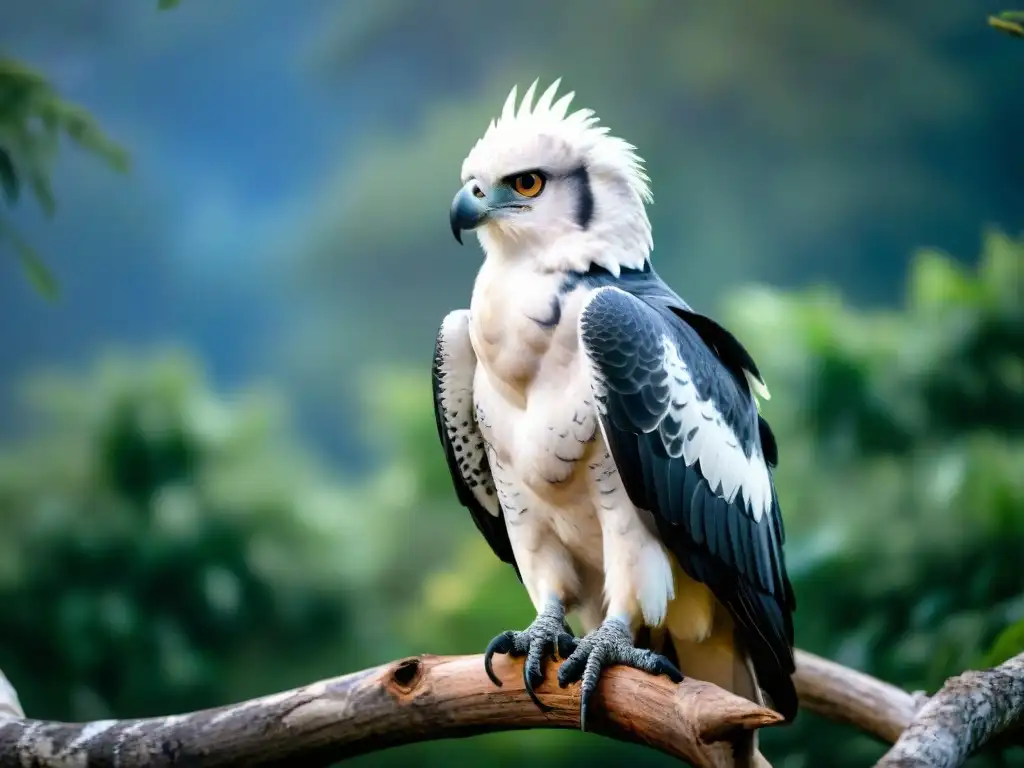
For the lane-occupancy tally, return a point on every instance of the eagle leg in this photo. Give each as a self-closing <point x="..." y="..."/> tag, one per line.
<point x="535" y="642"/>
<point x="609" y="644"/>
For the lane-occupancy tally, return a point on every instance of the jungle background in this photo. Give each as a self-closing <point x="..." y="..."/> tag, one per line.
<point x="224" y="253"/>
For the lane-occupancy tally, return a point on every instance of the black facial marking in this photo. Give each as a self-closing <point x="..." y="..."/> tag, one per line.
<point x="585" y="200"/>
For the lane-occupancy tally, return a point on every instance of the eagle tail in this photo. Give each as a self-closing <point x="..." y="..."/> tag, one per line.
<point x="722" y="660"/>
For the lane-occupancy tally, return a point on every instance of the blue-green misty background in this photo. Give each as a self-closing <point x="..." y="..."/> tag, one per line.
<point x="219" y="474"/>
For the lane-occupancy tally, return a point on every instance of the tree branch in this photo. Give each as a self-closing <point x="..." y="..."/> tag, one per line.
<point x="967" y="712"/>
<point x="416" y="699"/>
<point x="845" y="695"/>
<point x="433" y="697"/>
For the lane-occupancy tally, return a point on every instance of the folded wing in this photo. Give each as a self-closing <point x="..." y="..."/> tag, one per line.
<point x="685" y="434"/>
<point x="453" y="370"/>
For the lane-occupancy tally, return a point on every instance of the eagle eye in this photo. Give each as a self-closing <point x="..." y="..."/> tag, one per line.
<point x="528" y="184"/>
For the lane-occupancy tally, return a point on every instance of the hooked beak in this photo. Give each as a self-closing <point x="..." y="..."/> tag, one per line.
<point x="468" y="211"/>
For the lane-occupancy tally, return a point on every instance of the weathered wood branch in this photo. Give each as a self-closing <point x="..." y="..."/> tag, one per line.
<point x="416" y="699"/>
<point x="847" y="696"/>
<point x="434" y="697"/>
<point x="970" y="710"/>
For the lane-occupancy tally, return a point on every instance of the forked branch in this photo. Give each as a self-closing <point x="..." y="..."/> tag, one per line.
<point x="433" y="697"/>
<point x="970" y="710"/>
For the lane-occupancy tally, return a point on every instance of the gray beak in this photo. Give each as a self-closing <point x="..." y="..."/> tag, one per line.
<point x="468" y="211"/>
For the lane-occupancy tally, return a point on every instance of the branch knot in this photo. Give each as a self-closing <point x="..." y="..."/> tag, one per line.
<point x="406" y="674"/>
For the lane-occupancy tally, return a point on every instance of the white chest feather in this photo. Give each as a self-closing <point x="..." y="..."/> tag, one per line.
<point x="517" y="323"/>
<point x="571" y="525"/>
<point x="533" y="396"/>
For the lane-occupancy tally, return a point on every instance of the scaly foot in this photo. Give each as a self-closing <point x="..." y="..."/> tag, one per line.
<point x="535" y="642"/>
<point x="608" y="645"/>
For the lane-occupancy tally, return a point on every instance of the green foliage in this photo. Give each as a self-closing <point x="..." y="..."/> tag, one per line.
<point x="1008" y="644"/>
<point x="885" y="382"/>
<point x="148" y="540"/>
<point x="900" y="478"/>
<point x="33" y="119"/>
<point x="31" y="262"/>
<point x="1011" y="22"/>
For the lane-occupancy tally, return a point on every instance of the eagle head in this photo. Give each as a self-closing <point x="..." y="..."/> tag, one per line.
<point x="551" y="185"/>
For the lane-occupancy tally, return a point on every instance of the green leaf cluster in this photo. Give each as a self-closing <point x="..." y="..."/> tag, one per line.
<point x="163" y="549"/>
<point x="1010" y="22"/>
<point x="33" y="121"/>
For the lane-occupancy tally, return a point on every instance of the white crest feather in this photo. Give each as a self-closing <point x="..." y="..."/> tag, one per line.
<point x="561" y="107"/>
<point x="544" y="105"/>
<point x="551" y="117"/>
<point x="526" y="108"/>
<point x="508" y="112"/>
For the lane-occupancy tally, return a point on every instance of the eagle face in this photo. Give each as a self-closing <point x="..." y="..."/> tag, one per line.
<point x="542" y="177"/>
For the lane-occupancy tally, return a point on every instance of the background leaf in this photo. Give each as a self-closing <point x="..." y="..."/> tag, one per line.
<point x="32" y="120"/>
<point x="1008" y="644"/>
<point x="39" y="275"/>
<point x="9" y="178"/>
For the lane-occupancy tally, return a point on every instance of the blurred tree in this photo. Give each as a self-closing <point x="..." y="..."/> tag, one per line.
<point x="901" y="441"/>
<point x="163" y="550"/>
<point x="33" y="118"/>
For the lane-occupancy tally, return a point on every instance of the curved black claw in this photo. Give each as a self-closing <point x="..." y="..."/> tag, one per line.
<point x="535" y="642"/>
<point x="608" y="645"/>
<point x="503" y="643"/>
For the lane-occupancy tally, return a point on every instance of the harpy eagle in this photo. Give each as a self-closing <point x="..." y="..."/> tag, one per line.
<point x="605" y="436"/>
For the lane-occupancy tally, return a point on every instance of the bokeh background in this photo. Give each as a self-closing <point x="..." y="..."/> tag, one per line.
<point x="218" y="467"/>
